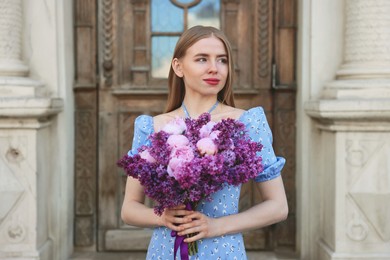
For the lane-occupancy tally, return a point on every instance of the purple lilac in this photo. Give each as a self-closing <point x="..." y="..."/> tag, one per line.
<point x="236" y="162"/>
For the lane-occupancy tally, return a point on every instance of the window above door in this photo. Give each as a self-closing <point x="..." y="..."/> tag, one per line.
<point x="169" y="18"/>
<point x="140" y="35"/>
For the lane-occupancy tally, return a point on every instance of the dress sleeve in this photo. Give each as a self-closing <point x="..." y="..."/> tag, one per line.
<point x="259" y="131"/>
<point x="143" y="127"/>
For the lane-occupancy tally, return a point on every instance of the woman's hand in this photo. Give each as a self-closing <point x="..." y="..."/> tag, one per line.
<point x="172" y="218"/>
<point x="201" y="226"/>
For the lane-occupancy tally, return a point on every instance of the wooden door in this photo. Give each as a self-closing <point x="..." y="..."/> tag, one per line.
<point x="121" y="74"/>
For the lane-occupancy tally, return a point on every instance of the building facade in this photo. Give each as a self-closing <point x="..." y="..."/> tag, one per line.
<point x="75" y="74"/>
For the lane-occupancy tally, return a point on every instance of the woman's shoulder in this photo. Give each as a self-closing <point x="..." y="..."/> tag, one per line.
<point x="161" y="120"/>
<point x="227" y="112"/>
<point x="143" y="124"/>
<point x="254" y="112"/>
<point x="239" y="114"/>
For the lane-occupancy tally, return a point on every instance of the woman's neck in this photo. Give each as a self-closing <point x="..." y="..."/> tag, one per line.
<point x="195" y="107"/>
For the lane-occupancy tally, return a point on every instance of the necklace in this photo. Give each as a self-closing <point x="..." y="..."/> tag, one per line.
<point x="188" y="114"/>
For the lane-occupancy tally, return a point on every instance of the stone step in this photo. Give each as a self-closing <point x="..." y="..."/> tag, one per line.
<point x="252" y="255"/>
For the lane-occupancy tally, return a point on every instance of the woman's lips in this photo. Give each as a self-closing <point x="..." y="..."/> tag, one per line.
<point x="212" y="81"/>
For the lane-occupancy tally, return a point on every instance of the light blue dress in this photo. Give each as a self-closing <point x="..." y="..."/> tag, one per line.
<point x="224" y="202"/>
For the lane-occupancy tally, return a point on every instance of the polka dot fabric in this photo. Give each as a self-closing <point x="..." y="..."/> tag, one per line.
<point x="224" y="202"/>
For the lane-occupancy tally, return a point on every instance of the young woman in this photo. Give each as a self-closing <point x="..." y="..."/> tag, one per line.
<point x="200" y="80"/>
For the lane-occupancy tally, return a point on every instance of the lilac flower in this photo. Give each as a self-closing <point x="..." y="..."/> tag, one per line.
<point x="191" y="159"/>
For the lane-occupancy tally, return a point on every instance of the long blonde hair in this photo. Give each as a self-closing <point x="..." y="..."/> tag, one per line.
<point x="176" y="84"/>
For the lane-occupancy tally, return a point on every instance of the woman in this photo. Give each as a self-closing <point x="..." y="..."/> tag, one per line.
<point x="200" y="80"/>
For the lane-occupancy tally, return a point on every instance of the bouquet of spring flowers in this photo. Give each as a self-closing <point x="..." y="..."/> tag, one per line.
<point x="190" y="159"/>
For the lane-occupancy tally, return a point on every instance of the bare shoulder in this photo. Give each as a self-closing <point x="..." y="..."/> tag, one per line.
<point x="228" y="112"/>
<point x="160" y="120"/>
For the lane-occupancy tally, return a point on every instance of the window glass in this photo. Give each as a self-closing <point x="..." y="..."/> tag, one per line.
<point x="206" y="13"/>
<point x="168" y="22"/>
<point x="166" y="17"/>
<point x="162" y="51"/>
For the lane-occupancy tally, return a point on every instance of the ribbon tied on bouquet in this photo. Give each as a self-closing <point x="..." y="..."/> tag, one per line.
<point x="179" y="242"/>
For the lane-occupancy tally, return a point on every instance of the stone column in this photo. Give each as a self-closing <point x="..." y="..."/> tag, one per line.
<point x="25" y="142"/>
<point x="13" y="71"/>
<point x="11" y="39"/>
<point x="367" y="39"/>
<point x="353" y="117"/>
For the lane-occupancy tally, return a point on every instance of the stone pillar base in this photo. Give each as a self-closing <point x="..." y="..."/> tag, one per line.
<point x="354" y="177"/>
<point x="326" y="253"/>
<point x="26" y="177"/>
<point x="357" y="89"/>
<point x="21" y="87"/>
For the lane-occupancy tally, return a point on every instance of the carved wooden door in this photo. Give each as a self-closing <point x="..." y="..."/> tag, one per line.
<point x="123" y="50"/>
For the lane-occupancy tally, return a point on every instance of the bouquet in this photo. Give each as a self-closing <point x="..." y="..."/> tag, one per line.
<point x="190" y="159"/>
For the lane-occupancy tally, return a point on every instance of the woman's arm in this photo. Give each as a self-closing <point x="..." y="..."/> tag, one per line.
<point x="271" y="210"/>
<point x="135" y="213"/>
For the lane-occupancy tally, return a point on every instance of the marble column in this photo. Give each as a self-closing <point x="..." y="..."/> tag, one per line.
<point x="13" y="71"/>
<point x="26" y="115"/>
<point x="353" y="118"/>
<point x="11" y="39"/>
<point x="367" y="37"/>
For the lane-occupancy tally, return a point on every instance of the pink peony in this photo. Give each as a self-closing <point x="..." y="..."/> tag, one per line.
<point x="179" y="156"/>
<point x="214" y="134"/>
<point x="146" y="156"/>
<point x="175" y="127"/>
<point x="206" y="129"/>
<point x="206" y="146"/>
<point x="176" y="141"/>
<point x="174" y="166"/>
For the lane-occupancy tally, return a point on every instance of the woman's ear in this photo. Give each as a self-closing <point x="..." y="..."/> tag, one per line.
<point x="176" y="66"/>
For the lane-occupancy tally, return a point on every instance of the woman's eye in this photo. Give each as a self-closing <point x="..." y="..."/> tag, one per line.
<point x="223" y="60"/>
<point x="202" y="59"/>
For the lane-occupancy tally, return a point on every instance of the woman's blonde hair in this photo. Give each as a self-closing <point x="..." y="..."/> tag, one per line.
<point x="176" y="84"/>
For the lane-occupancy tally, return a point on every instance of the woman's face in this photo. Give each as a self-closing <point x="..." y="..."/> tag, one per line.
<point x="204" y="68"/>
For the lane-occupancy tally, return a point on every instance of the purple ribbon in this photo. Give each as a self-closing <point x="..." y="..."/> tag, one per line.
<point x="179" y="242"/>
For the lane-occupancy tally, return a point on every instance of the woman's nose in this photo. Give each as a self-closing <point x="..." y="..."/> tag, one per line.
<point x="213" y="67"/>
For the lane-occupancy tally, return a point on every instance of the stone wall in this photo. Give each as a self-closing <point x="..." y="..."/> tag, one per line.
<point x="36" y="129"/>
<point x="350" y="119"/>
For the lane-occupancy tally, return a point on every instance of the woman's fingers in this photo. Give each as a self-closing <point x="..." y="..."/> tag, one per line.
<point x="201" y="226"/>
<point x="175" y="216"/>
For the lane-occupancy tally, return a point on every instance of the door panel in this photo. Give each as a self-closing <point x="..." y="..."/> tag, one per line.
<point x="262" y="34"/>
<point x="86" y="105"/>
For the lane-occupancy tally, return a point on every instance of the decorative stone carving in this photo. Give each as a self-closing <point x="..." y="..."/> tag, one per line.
<point x="15" y="232"/>
<point x="24" y="225"/>
<point x="357" y="229"/>
<point x="371" y="190"/>
<point x="10" y="188"/>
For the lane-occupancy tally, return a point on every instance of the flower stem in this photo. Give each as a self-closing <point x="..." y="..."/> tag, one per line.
<point x="192" y="248"/>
